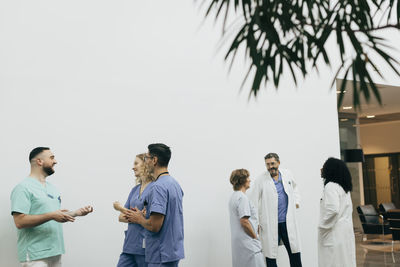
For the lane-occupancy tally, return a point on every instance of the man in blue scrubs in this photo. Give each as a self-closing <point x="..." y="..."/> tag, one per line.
<point x="164" y="214"/>
<point x="35" y="207"/>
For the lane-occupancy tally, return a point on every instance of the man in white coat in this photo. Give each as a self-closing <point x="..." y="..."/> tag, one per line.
<point x="275" y="196"/>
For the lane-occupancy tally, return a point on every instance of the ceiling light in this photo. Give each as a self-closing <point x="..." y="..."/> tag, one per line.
<point x="370" y="116"/>
<point x="350" y="107"/>
<point x="344" y="119"/>
<point x="338" y="92"/>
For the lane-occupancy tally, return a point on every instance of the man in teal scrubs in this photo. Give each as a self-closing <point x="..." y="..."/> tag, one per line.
<point x="35" y="206"/>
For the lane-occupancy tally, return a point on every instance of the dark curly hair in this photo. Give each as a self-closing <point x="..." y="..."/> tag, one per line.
<point x="336" y="171"/>
<point x="239" y="178"/>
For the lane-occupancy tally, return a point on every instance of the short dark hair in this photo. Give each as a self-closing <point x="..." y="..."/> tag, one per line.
<point x="36" y="151"/>
<point x="336" y="171"/>
<point x="272" y="155"/>
<point x="162" y="152"/>
<point x="239" y="178"/>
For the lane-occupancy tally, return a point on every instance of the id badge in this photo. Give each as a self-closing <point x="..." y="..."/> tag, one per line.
<point x="144" y="243"/>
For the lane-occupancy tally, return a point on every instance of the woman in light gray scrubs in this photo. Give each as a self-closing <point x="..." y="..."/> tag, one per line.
<point x="246" y="246"/>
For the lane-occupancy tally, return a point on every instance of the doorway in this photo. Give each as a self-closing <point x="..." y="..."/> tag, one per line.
<point x="381" y="177"/>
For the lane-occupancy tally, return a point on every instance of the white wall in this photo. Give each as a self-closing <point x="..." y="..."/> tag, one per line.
<point x="99" y="80"/>
<point x="380" y="138"/>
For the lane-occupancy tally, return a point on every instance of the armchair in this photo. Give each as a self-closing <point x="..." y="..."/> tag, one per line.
<point x="395" y="229"/>
<point x="370" y="222"/>
<point x="385" y="207"/>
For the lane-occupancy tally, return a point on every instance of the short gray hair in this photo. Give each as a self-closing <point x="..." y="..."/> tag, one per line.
<point x="272" y="155"/>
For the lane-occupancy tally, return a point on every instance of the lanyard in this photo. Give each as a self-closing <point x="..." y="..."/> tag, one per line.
<point x="162" y="174"/>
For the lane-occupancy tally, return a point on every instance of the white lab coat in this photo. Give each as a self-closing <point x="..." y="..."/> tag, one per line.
<point x="336" y="245"/>
<point x="264" y="196"/>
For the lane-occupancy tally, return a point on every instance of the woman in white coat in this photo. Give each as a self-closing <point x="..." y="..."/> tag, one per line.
<point x="336" y="245"/>
<point x="246" y="247"/>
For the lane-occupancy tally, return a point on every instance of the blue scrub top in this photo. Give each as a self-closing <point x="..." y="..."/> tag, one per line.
<point x="282" y="200"/>
<point x="165" y="197"/>
<point x="134" y="236"/>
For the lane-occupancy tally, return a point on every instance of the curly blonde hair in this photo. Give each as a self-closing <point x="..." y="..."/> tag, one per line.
<point x="144" y="174"/>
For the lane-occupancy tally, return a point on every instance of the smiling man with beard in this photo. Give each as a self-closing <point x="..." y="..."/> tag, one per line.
<point x="276" y="198"/>
<point x="35" y="206"/>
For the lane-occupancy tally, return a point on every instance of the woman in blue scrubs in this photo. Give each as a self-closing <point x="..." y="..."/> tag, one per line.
<point x="134" y="245"/>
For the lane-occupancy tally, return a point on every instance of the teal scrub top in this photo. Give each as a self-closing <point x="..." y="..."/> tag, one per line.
<point x="45" y="240"/>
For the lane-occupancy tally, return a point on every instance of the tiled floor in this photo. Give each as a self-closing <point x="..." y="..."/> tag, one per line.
<point x="374" y="258"/>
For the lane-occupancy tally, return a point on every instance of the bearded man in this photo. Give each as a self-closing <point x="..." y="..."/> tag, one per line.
<point x="276" y="197"/>
<point x="35" y="207"/>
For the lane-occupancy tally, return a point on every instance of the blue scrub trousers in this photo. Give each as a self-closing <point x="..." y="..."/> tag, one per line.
<point x="131" y="260"/>
<point x="164" y="264"/>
